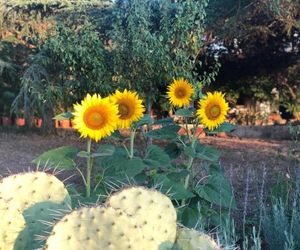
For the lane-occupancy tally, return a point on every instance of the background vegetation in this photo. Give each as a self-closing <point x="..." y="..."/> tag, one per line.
<point x="53" y="52"/>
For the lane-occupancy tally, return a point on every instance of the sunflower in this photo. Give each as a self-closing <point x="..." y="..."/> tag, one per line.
<point x="130" y="107"/>
<point x="180" y="92"/>
<point x="213" y="110"/>
<point x="95" y="117"/>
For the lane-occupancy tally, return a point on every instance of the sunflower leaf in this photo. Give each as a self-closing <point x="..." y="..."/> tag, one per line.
<point x="217" y="190"/>
<point x="121" y="167"/>
<point x="145" y="120"/>
<point x="156" y="157"/>
<point x="207" y="153"/>
<point x="190" y="152"/>
<point x="105" y="150"/>
<point x="190" y="217"/>
<point x="167" y="132"/>
<point x="224" y="127"/>
<point x="62" y="157"/>
<point x="185" y="112"/>
<point x="116" y="135"/>
<point x="173" y="150"/>
<point x="164" y="121"/>
<point x="83" y="154"/>
<point x="176" y="190"/>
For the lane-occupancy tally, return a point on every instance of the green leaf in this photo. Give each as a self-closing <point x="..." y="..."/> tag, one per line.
<point x="207" y="153"/>
<point x="190" y="217"/>
<point x="115" y="136"/>
<point x="178" y="176"/>
<point x="167" y="132"/>
<point x="156" y="157"/>
<point x="175" y="189"/>
<point x="105" y="150"/>
<point x="121" y="167"/>
<point x="141" y="179"/>
<point x="173" y="150"/>
<point x="190" y="152"/>
<point x="62" y="157"/>
<point x="224" y="127"/>
<point x="164" y="121"/>
<point x="217" y="190"/>
<point x="83" y="154"/>
<point x="64" y="116"/>
<point x="185" y="112"/>
<point x="146" y="120"/>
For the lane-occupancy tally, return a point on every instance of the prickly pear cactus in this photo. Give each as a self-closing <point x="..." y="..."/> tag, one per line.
<point x="96" y="228"/>
<point x="154" y="214"/>
<point x="12" y="223"/>
<point x="23" y="190"/>
<point x="35" y="195"/>
<point x="189" y="239"/>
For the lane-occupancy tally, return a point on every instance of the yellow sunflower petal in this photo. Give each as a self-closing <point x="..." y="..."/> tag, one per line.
<point x="213" y="110"/>
<point x="95" y="117"/>
<point x="180" y="92"/>
<point x="130" y="107"/>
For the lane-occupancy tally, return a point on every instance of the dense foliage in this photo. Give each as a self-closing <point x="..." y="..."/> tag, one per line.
<point x="143" y="44"/>
<point x="259" y="43"/>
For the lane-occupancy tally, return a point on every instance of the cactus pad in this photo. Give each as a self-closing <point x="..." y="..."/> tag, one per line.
<point x="188" y="239"/>
<point x="96" y="228"/>
<point x="23" y="190"/>
<point x="154" y="214"/>
<point x="12" y="223"/>
<point x="35" y="195"/>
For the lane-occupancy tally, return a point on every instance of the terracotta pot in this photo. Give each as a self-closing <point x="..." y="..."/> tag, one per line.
<point x="20" y="122"/>
<point x="56" y="124"/>
<point x="7" y="121"/>
<point x="38" y="122"/>
<point x="275" y="117"/>
<point x="64" y="124"/>
<point x="200" y="133"/>
<point x="183" y="131"/>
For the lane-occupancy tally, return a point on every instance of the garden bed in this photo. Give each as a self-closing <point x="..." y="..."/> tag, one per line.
<point x="239" y="155"/>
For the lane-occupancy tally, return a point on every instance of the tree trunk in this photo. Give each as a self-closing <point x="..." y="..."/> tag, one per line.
<point x="28" y="114"/>
<point x="29" y="120"/>
<point x="48" y="122"/>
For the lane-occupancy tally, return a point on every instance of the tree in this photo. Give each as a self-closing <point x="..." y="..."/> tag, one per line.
<point x="69" y="65"/>
<point x="47" y="74"/>
<point x="154" y="41"/>
<point x="261" y="41"/>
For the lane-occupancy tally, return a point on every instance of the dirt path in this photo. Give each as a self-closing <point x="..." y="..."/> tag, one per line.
<point x="18" y="150"/>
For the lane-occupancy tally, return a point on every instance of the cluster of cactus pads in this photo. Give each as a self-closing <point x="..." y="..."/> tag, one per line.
<point x="35" y="210"/>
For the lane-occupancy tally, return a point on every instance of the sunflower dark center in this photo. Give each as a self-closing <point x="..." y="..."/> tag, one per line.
<point x="124" y="111"/>
<point x="180" y="93"/>
<point x="213" y="112"/>
<point x="94" y="118"/>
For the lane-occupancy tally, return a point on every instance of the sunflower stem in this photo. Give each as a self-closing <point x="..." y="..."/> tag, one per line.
<point x="88" y="169"/>
<point x="132" y="137"/>
<point x="189" y="165"/>
<point x="187" y="127"/>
